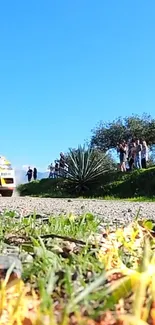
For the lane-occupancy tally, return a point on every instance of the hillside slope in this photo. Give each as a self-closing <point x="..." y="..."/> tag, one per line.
<point x="116" y="184"/>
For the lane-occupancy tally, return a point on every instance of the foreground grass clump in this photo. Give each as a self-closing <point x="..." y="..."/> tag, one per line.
<point x="75" y="272"/>
<point x="137" y="184"/>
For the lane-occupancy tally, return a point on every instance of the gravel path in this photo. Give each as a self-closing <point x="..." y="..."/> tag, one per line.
<point x="111" y="211"/>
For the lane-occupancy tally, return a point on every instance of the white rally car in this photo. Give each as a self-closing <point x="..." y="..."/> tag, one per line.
<point x="7" y="177"/>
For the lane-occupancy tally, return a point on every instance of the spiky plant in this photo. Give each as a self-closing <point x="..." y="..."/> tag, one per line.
<point x="85" y="167"/>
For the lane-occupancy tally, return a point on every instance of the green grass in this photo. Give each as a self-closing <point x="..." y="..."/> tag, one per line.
<point x="131" y="199"/>
<point x="45" y="188"/>
<point x="70" y="268"/>
<point x="58" y="268"/>
<point x="136" y="186"/>
<point x="51" y="254"/>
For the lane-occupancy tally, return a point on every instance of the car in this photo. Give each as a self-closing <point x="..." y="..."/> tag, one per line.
<point x="7" y="177"/>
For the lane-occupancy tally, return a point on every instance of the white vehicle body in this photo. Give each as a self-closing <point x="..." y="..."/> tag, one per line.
<point x="7" y="177"/>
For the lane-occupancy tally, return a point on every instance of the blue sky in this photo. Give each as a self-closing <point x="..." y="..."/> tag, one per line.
<point x="66" y="65"/>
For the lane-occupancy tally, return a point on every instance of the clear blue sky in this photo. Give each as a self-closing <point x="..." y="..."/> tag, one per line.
<point x="65" y="65"/>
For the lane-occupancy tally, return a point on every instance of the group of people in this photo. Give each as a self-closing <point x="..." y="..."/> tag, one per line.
<point x="132" y="154"/>
<point x="59" y="168"/>
<point x="31" y="174"/>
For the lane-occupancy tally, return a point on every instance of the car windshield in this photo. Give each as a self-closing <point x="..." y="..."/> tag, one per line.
<point x="4" y="163"/>
<point x="3" y="166"/>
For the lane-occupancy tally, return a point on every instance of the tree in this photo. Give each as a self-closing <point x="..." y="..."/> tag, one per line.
<point x="107" y="135"/>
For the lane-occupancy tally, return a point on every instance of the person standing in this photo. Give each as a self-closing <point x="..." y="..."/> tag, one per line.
<point x="51" y="168"/>
<point x="56" y="169"/>
<point x="62" y="164"/>
<point x="132" y="156"/>
<point x="138" y="155"/>
<point x="29" y="174"/>
<point x="144" y="154"/>
<point x="122" y="152"/>
<point x="35" y="172"/>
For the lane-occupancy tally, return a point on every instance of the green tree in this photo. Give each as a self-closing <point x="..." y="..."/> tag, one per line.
<point x="107" y="135"/>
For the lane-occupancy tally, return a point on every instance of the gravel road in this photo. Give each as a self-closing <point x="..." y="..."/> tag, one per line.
<point x="111" y="211"/>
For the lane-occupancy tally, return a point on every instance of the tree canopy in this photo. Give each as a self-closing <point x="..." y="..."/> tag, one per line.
<point x="107" y="135"/>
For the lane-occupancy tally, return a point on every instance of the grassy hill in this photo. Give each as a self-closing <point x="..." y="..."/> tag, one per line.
<point x="139" y="183"/>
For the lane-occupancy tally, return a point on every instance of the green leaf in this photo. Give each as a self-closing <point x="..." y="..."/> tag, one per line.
<point x="120" y="289"/>
<point x="148" y="225"/>
<point x="27" y="248"/>
<point x="35" y="242"/>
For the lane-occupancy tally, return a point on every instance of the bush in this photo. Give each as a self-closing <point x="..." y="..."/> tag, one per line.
<point x="45" y="187"/>
<point x="85" y="167"/>
<point x="129" y="185"/>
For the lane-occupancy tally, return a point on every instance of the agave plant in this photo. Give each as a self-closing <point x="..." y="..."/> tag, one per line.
<point x="85" y="167"/>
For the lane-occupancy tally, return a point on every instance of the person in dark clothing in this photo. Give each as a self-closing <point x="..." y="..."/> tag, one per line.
<point x="62" y="160"/>
<point x="51" y="168"/>
<point x="35" y="173"/>
<point x="62" y="164"/>
<point x="29" y="174"/>
<point x="56" y="170"/>
<point x="132" y="156"/>
<point x="122" y="150"/>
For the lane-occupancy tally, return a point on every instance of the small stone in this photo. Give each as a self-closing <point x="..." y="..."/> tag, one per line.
<point x="26" y="258"/>
<point x="6" y="261"/>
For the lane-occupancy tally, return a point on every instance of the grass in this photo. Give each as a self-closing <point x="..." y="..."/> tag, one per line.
<point x="138" y="185"/>
<point x="73" y="275"/>
<point x="130" y="199"/>
<point x="58" y="266"/>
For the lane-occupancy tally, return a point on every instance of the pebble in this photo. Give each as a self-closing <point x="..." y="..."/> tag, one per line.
<point x="121" y="212"/>
<point x="8" y="261"/>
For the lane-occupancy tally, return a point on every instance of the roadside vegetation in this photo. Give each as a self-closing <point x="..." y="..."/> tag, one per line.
<point x="75" y="271"/>
<point x="93" y="173"/>
<point x="137" y="185"/>
<point x="78" y="270"/>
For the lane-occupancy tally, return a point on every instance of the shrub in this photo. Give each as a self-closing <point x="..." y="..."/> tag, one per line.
<point x="86" y="166"/>
<point x="45" y="187"/>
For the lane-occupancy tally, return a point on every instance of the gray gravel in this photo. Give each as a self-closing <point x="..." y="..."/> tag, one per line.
<point x="110" y="211"/>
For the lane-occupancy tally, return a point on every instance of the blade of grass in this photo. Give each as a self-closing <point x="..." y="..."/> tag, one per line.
<point x="132" y="320"/>
<point x="91" y="287"/>
<point x="144" y="277"/>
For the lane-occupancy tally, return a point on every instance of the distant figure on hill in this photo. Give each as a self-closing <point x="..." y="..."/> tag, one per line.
<point x="132" y="156"/>
<point x="29" y="174"/>
<point x="122" y="150"/>
<point x="62" y="164"/>
<point x="138" y="155"/>
<point x="56" y="169"/>
<point x="35" y="173"/>
<point x="144" y="154"/>
<point x="51" y="173"/>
